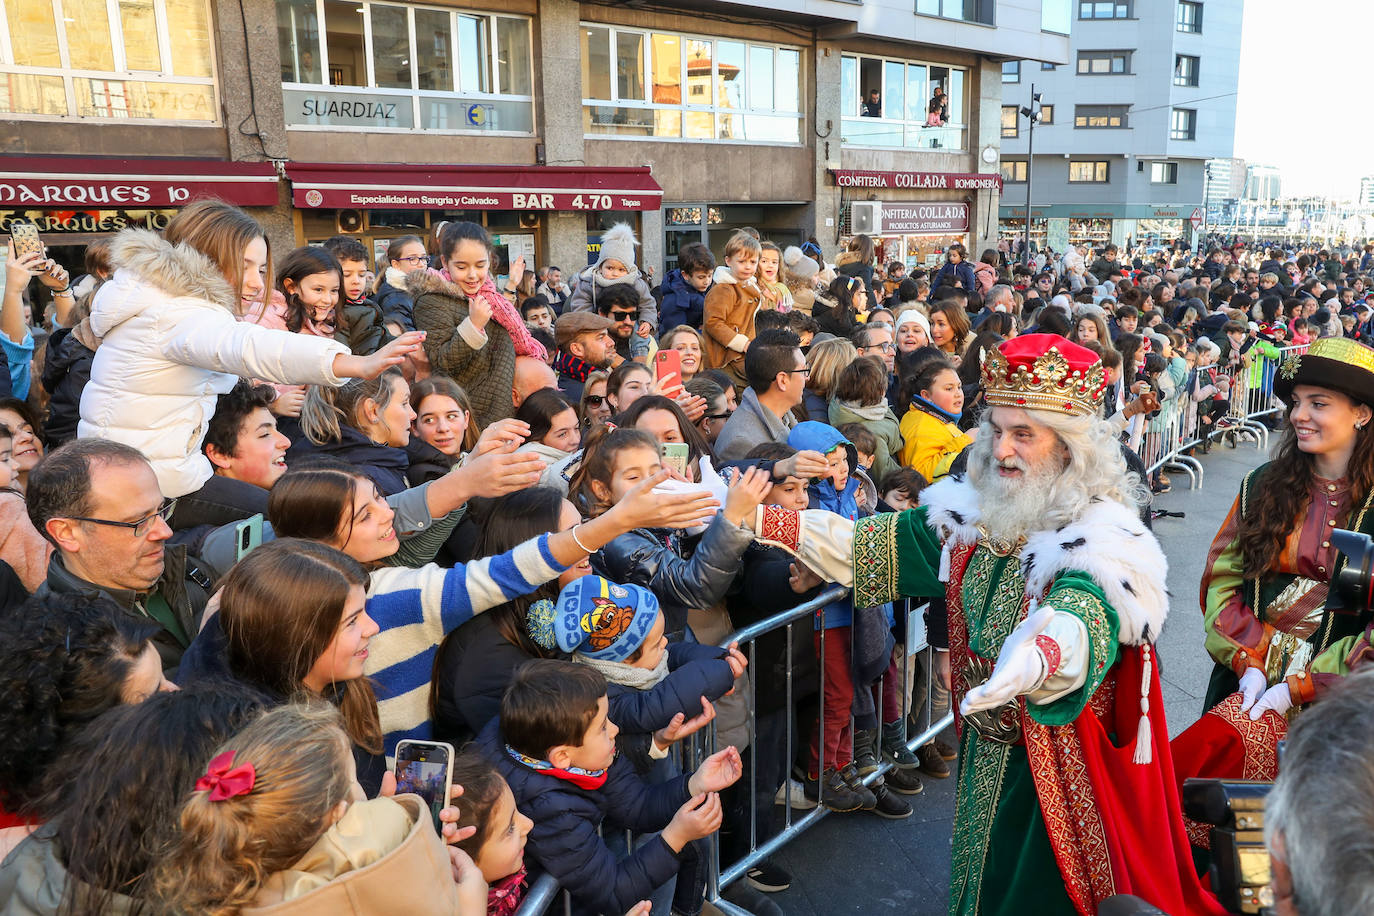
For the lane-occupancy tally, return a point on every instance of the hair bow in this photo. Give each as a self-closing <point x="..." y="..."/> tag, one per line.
<point x="223" y="780"/>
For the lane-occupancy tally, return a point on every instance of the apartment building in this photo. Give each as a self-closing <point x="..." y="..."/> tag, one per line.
<point x="544" y="120"/>
<point x="1147" y="98"/>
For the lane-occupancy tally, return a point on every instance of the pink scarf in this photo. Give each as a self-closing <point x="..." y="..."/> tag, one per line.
<point x="504" y="896"/>
<point x="508" y="317"/>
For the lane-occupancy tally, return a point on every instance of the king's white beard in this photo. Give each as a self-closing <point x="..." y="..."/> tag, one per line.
<point x="1013" y="507"/>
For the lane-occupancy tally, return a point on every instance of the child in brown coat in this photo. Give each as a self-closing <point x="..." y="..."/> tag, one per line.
<point x="730" y="308"/>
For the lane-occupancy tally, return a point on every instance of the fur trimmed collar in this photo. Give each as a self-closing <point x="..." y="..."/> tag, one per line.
<point x="1108" y="542"/>
<point x="422" y="281"/>
<point x="177" y="270"/>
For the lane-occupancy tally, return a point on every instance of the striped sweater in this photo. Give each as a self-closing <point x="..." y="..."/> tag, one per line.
<point x="417" y="608"/>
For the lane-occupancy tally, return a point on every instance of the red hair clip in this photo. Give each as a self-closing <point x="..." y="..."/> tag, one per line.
<point x="223" y="780"/>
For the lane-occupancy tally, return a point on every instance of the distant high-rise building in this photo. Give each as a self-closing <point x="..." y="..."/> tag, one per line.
<point x="1366" y="198"/>
<point x="1225" y="180"/>
<point x="1146" y="100"/>
<point x="1262" y="182"/>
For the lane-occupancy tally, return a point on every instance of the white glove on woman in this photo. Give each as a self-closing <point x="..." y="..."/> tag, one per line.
<point x="1020" y="666"/>
<point x="1277" y="698"/>
<point x="1252" y="685"/>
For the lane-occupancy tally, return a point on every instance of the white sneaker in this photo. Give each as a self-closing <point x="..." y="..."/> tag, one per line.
<point x="799" y="799"/>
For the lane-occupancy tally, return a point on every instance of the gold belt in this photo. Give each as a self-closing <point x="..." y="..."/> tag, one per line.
<point x="1289" y="651"/>
<point x="1001" y="724"/>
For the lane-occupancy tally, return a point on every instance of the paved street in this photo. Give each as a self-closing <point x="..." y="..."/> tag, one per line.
<point x="863" y="864"/>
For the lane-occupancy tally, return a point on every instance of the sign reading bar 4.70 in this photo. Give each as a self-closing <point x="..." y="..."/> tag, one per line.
<point x="934" y="181"/>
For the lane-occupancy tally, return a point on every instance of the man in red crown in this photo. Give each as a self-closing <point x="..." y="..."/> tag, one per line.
<point x="1056" y="592"/>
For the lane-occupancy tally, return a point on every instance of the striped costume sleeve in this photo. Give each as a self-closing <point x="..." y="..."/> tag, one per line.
<point x="1229" y="624"/>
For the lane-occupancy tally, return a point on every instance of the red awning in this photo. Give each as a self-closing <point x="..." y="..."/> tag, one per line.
<point x="83" y="182"/>
<point x="476" y="187"/>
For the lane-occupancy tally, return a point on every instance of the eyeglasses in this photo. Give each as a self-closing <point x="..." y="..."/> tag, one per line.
<point x="803" y="371"/>
<point x="139" y="527"/>
<point x="717" y="416"/>
<point x="624" y="316"/>
<point x="413" y="259"/>
<point x="595" y="400"/>
<point x="887" y="347"/>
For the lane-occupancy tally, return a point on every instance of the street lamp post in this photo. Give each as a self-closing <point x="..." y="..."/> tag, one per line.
<point x="1031" y="114"/>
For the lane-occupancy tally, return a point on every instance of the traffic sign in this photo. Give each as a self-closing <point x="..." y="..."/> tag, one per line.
<point x="1196" y="218"/>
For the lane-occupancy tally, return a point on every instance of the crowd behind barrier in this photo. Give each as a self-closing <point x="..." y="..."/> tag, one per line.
<point x="351" y="508"/>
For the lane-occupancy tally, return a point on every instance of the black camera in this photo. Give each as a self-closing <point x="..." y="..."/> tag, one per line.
<point x="1240" y="870"/>
<point x="1354" y="584"/>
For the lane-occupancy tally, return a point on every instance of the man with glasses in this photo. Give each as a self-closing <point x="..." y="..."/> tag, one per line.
<point x="620" y="303"/>
<point x="99" y="504"/>
<point x="776" y="370"/>
<point x="875" y="339"/>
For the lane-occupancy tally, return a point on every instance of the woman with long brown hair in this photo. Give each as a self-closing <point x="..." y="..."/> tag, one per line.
<point x="415" y="608"/>
<point x="950" y="329"/>
<point x="1273" y="624"/>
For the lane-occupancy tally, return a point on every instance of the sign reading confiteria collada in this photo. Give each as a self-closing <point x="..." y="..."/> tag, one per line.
<point x="935" y="181"/>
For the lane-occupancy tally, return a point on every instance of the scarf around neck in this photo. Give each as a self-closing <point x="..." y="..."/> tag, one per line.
<point x="930" y="407"/>
<point x="583" y="779"/>
<point x="504" y="896"/>
<point x="627" y="675"/>
<point x="506" y="316"/>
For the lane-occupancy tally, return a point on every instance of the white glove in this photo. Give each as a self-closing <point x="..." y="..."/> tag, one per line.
<point x="711" y="482"/>
<point x="1020" y="666"/>
<point x="1252" y="684"/>
<point x="1276" y="698"/>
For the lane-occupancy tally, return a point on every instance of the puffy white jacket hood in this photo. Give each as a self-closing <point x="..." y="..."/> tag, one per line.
<point x="171" y="343"/>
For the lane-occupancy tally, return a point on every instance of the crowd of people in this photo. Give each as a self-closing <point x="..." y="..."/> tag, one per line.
<point x="267" y="515"/>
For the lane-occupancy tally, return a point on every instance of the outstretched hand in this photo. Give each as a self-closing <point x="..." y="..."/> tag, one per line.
<point x="641" y="507"/>
<point x="719" y="771"/>
<point x="681" y="727"/>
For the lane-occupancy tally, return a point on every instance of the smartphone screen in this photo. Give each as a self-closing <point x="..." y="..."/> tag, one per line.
<point x="425" y="768"/>
<point x="675" y="456"/>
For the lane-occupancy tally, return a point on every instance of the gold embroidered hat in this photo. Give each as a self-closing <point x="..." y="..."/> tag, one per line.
<point x="1338" y="363"/>
<point x="1044" y="372"/>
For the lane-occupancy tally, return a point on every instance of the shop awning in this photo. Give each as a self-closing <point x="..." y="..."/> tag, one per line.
<point x="85" y="182"/>
<point x="437" y="187"/>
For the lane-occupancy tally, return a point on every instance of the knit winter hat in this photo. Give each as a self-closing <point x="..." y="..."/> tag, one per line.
<point x="798" y="264"/>
<point x="618" y="244"/>
<point x="595" y="617"/>
<point x="911" y="316"/>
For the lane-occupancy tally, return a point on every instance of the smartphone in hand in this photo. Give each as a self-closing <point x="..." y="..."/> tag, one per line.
<point x="25" y="238"/>
<point x="425" y="768"/>
<point x="668" y="363"/>
<point x="675" y="456"/>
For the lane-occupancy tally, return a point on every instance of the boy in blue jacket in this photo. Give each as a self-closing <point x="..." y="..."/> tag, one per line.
<point x="858" y="647"/>
<point x="684" y="288"/>
<point x="554" y="744"/>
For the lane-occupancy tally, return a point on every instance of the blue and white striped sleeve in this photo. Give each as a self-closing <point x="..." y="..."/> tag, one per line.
<point x="483" y="584"/>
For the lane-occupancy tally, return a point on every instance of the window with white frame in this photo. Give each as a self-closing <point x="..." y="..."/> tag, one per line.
<point x="105" y="59"/>
<point x="359" y="64"/>
<point x="918" y="105"/>
<point x="671" y="86"/>
<point x="1163" y="173"/>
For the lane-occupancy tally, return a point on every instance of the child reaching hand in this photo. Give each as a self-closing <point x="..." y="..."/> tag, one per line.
<point x="555" y="746"/>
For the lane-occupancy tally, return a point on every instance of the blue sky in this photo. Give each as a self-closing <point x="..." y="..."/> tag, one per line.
<point x="1303" y="97"/>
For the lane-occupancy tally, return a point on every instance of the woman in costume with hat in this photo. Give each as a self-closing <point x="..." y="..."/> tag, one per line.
<point x="1278" y="635"/>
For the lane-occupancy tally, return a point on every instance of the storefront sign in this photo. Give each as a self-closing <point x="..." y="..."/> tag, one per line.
<point x="51" y="222"/>
<point x="60" y="181"/>
<point x="902" y="218"/>
<point x="404" y="187"/>
<point x="936" y="181"/>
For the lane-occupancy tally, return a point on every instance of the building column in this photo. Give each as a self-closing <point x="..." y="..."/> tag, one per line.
<point x="825" y="122"/>
<point x="651" y="241"/>
<point x="560" y="82"/>
<point x="987" y="132"/>
<point x="250" y="95"/>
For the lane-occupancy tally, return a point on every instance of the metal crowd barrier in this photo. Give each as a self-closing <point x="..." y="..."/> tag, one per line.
<point x="1171" y="438"/>
<point x="544" y="895"/>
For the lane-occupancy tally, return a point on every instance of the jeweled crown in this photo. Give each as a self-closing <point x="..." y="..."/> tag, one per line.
<point x="1044" y="372"/>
